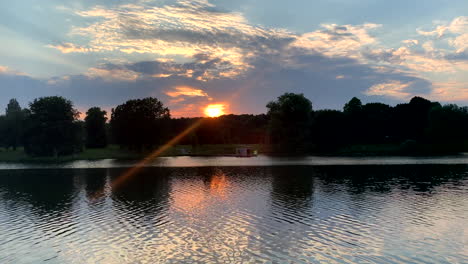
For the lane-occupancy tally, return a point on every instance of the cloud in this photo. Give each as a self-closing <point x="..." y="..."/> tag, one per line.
<point x="187" y="28"/>
<point x="459" y="25"/>
<point x="3" y="69"/>
<point x="430" y="60"/>
<point x="456" y="31"/>
<point x="112" y="74"/>
<point x="394" y="89"/>
<point x="337" y="40"/>
<point x="410" y="42"/>
<point x="423" y="62"/>
<point x="440" y="91"/>
<point x="7" y="71"/>
<point x="221" y="44"/>
<point x="191" y="54"/>
<point x="186" y="110"/>
<point x="430" y="52"/>
<point x="69" y="48"/>
<point x="186" y="91"/>
<point x="203" y="68"/>
<point x="460" y="43"/>
<point x="439" y="31"/>
<point x="450" y="91"/>
<point x="314" y="75"/>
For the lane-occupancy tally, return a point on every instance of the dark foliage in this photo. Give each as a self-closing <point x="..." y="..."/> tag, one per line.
<point x="11" y="125"/>
<point x="290" y="118"/>
<point x="448" y="126"/>
<point x="419" y="127"/>
<point x="95" y="124"/>
<point x="227" y="129"/>
<point x="327" y="130"/>
<point x="140" y="124"/>
<point x="51" y="128"/>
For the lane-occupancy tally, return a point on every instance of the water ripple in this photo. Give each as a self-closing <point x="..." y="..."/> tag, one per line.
<point x="387" y="214"/>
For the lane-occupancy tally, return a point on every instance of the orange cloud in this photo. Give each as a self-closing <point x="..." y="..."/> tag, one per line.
<point x="188" y="110"/>
<point x="3" y="69"/>
<point x="394" y="89"/>
<point x="7" y="70"/>
<point x="69" y="48"/>
<point x="450" y="91"/>
<point x="186" y="91"/>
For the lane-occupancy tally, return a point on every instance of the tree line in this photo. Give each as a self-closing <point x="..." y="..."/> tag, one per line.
<point x="50" y="126"/>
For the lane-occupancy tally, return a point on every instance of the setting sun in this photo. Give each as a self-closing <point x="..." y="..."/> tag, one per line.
<point x="215" y="110"/>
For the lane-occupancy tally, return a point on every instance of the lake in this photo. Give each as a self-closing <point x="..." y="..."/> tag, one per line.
<point x="203" y="211"/>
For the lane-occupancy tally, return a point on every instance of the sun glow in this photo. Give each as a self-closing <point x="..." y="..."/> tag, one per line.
<point x="215" y="110"/>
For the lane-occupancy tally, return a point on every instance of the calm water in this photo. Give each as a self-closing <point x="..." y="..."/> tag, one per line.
<point x="269" y="214"/>
<point x="261" y="160"/>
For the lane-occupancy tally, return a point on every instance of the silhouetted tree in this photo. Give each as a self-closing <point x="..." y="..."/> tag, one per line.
<point x="376" y="123"/>
<point x="140" y="123"/>
<point x="354" y="106"/>
<point x="290" y="120"/>
<point x="14" y="119"/>
<point x="412" y="119"/>
<point x="354" y="121"/>
<point x="327" y="130"/>
<point x="52" y="129"/>
<point x="95" y="124"/>
<point x="3" y="130"/>
<point x="449" y="126"/>
<point x="226" y="129"/>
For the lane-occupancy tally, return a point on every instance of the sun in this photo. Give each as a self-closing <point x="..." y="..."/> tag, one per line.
<point x="215" y="110"/>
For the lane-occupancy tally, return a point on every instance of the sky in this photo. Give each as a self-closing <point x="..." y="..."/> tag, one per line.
<point x="237" y="54"/>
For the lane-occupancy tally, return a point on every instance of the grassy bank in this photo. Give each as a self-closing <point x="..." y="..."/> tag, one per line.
<point x="115" y="152"/>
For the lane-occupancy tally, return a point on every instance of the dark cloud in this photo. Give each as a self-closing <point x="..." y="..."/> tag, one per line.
<point x="381" y="55"/>
<point x="458" y="56"/>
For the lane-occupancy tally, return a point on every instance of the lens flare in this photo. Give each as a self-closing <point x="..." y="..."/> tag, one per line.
<point x="215" y="110"/>
<point x="148" y="159"/>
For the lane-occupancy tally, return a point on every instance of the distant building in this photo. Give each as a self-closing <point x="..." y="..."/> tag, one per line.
<point x="245" y="152"/>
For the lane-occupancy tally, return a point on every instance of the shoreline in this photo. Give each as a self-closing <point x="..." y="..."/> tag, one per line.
<point x="115" y="153"/>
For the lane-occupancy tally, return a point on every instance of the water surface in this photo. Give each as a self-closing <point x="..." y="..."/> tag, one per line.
<point x="267" y="214"/>
<point x="261" y="160"/>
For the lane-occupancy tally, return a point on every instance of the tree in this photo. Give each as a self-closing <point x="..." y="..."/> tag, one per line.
<point x="419" y="114"/>
<point x="327" y="130"/>
<point x="354" y="106"/>
<point x="52" y="129"/>
<point x="448" y="126"/>
<point x="3" y="131"/>
<point x="290" y="120"/>
<point x="354" y="121"/>
<point x="14" y="119"/>
<point x="376" y="123"/>
<point x="412" y="119"/>
<point x="140" y="123"/>
<point x="95" y="124"/>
